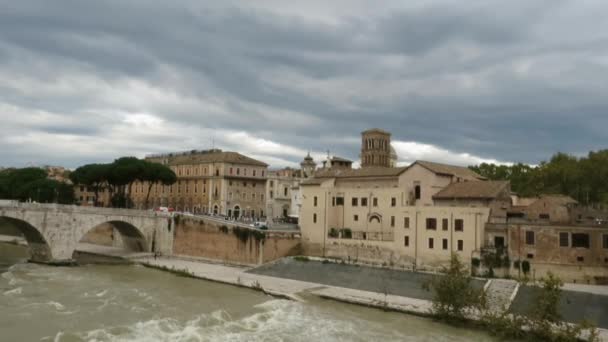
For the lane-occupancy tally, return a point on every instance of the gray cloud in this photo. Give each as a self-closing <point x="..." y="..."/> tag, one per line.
<point x="507" y="81"/>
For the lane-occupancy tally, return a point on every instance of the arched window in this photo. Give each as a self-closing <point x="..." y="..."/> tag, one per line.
<point x="375" y="217"/>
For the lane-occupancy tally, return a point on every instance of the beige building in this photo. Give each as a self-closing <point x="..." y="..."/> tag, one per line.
<point x="576" y="253"/>
<point x="279" y="188"/>
<point x="381" y="214"/>
<point x="210" y="181"/>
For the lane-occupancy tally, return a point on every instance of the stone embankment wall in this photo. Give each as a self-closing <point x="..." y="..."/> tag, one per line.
<point x="206" y="238"/>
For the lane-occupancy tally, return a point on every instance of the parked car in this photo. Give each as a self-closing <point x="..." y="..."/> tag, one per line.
<point x="259" y="225"/>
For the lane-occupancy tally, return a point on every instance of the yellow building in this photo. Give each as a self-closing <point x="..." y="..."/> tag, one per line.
<point x="386" y="215"/>
<point x="210" y="181"/>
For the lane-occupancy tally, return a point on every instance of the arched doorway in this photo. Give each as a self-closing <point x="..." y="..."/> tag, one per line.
<point x="39" y="249"/>
<point x="216" y="210"/>
<point x="236" y="212"/>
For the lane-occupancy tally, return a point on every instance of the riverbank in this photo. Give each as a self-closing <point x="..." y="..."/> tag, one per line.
<point x="288" y="288"/>
<point x="299" y="289"/>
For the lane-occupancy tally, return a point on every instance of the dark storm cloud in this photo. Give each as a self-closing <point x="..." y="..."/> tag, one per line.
<point x="508" y="81"/>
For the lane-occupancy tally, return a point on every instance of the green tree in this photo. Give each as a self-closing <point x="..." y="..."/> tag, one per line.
<point x="453" y="292"/>
<point x="121" y="174"/>
<point x="155" y="173"/>
<point x="94" y="176"/>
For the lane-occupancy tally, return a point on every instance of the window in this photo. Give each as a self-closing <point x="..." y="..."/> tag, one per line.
<point x="364" y="201"/>
<point x="393" y="202"/>
<point x="580" y="259"/>
<point x="375" y="201"/>
<point x="417" y="192"/>
<point x="271" y="194"/>
<point x="230" y="183"/>
<point x="445" y="244"/>
<point x="271" y="184"/>
<point x="580" y="240"/>
<point x="564" y="240"/>
<point x="392" y="221"/>
<point x="355" y="202"/>
<point x="340" y="201"/>
<point x="238" y="171"/>
<point x="444" y="224"/>
<point x="431" y="223"/>
<point x="406" y="241"/>
<point x="530" y="256"/>
<point x="245" y="184"/>
<point x="543" y="216"/>
<point x="356" y="218"/>
<point x="459" y="225"/>
<point x="431" y="243"/>
<point x="605" y="241"/>
<point x="253" y="173"/>
<point x="529" y="238"/>
<point x="315" y="201"/>
<point x="314" y="218"/>
<point x="285" y="190"/>
<point x="406" y="222"/>
<point x="460" y="245"/>
<point x="230" y="171"/>
<point x="217" y="172"/>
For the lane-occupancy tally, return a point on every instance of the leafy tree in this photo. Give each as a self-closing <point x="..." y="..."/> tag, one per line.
<point x="155" y="173"/>
<point x="581" y="178"/>
<point x="94" y="176"/>
<point x="454" y="294"/>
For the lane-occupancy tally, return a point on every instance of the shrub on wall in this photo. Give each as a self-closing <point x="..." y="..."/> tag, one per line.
<point x="347" y="233"/>
<point x="333" y="233"/>
<point x="243" y="234"/>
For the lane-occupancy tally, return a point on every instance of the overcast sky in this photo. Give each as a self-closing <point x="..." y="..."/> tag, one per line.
<point x="458" y="82"/>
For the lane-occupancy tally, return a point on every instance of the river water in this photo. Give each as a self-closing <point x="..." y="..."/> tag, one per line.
<point x="134" y="303"/>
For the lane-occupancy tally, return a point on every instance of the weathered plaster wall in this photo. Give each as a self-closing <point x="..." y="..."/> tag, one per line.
<point x="214" y="240"/>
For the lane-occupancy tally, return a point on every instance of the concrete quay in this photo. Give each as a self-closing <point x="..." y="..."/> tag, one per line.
<point x="287" y="288"/>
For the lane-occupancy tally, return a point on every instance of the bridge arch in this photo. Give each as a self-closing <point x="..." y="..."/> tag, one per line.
<point x="131" y="237"/>
<point x="39" y="248"/>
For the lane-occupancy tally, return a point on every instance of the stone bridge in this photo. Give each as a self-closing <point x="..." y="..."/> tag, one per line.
<point x="53" y="231"/>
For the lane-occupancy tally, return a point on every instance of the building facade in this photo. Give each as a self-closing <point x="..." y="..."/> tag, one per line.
<point x="382" y="214"/>
<point x="279" y="191"/>
<point x="211" y="181"/>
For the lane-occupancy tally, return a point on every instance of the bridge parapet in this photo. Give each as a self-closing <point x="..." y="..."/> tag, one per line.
<point x="79" y="209"/>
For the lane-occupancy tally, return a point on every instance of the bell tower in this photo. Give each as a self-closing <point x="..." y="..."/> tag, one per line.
<point x="375" y="148"/>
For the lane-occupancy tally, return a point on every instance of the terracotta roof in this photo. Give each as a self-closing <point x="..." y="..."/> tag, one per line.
<point x="559" y="199"/>
<point x="472" y="190"/>
<point x="450" y="170"/>
<point x="212" y="157"/>
<point x="363" y="172"/>
<point x="313" y="181"/>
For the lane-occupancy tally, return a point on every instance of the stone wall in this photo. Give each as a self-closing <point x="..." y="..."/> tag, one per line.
<point x="211" y="239"/>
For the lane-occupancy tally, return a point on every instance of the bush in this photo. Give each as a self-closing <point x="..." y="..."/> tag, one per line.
<point x="333" y="232"/>
<point x="301" y="258"/>
<point x="347" y="233"/>
<point x="475" y="262"/>
<point x="453" y="292"/>
<point x="525" y="266"/>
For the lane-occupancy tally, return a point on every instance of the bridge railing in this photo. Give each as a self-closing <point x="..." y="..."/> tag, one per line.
<point x="79" y="209"/>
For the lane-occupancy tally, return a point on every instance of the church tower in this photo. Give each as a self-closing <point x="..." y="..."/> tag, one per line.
<point x="308" y="166"/>
<point x="376" y="148"/>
